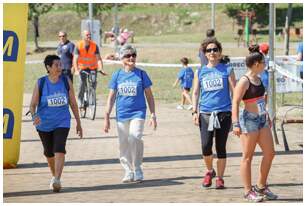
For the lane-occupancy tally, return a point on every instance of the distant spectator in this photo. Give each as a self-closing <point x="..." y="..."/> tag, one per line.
<point x="300" y="53"/>
<point x="65" y="51"/>
<point x="209" y="34"/>
<point x="185" y="76"/>
<point x="264" y="76"/>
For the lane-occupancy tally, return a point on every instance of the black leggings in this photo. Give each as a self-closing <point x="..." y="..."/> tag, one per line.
<point x="54" y="141"/>
<point x="221" y="134"/>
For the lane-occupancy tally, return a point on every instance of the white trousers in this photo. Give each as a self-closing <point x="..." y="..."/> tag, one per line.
<point x="131" y="144"/>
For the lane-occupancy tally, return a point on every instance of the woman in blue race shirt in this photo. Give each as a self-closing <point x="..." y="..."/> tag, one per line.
<point x="130" y="87"/>
<point x="185" y="76"/>
<point x="213" y="84"/>
<point x="52" y="96"/>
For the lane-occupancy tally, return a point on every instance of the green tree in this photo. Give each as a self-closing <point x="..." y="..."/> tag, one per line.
<point x="261" y="12"/>
<point x="36" y="10"/>
<point x="82" y="9"/>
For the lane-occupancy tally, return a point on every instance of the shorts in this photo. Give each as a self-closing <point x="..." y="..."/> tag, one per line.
<point x="187" y="89"/>
<point x="251" y="122"/>
<point x="54" y="141"/>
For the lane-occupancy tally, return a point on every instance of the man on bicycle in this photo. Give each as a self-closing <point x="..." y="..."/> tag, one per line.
<point x="87" y="58"/>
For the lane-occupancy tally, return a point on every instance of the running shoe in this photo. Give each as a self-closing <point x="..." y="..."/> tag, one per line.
<point x="180" y="107"/>
<point x="189" y="107"/>
<point x="208" y="178"/>
<point x="265" y="193"/>
<point x="138" y="176"/>
<point x="219" y="183"/>
<point x="252" y="196"/>
<point x="55" y="184"/>
<point x="128" y="177"/>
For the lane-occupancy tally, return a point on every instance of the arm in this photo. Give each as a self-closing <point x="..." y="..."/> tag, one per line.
<point x="75" y="63"/>
<point x="100" y="64"/>
<point x="109" y="106"/>
<point x="239" y="91"/>
<point x="176" y="82"/>
<point x="195" y="98"/>
<point x="151" y="103"/>
<point x="34" y="104"/>
<point x="232" y="82"/>
<point x="74" y="107"/>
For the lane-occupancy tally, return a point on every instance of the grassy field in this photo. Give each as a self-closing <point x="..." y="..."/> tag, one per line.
<point x="162" y="78"/>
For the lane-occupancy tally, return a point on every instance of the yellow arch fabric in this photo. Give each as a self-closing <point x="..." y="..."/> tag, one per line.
<point x="15" y="19"/>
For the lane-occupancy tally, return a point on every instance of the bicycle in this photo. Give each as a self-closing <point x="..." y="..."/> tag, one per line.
<point x="89" y="100"/>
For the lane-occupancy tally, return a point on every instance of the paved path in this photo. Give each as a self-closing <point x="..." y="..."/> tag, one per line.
<point x="173" y="167"/>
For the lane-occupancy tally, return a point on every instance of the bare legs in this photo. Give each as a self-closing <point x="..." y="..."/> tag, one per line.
<point x="56" y="164"/>
<point x="248" y="143"/>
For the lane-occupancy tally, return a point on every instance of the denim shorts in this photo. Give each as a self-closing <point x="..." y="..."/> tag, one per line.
<point x="251" y="122"/>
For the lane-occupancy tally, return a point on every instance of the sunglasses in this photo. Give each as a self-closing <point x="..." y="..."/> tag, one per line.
<point x="130" y="55"/>
<point x="212" y="50"/>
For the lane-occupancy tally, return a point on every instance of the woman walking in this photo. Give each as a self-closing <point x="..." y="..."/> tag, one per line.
<point x="49" y="108"/>
<point x="130" y="87"/>
<point x="252" y="126"/>
<point x="213" y="85"/>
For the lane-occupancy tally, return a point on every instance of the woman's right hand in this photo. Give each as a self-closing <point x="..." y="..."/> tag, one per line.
<point x="36" y="121"/>
<point x="195" y="118"/>
<point x="237" y="131"/>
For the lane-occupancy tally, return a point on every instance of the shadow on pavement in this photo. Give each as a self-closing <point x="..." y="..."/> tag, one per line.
<point x="144" y="184"/>
<point x="148" y="159"/>
<point x="72" y="138"/>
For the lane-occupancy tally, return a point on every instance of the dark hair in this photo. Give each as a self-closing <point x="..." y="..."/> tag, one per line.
<point x="49" y="60"/>
<point x="210" y="33"/>
<point x="208" y="41"/>
<point x="254" y="56"/>
<point x="184" y="60"/>
<point x="225" y="59"/>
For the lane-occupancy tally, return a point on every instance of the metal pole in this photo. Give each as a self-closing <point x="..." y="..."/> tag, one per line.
<point x="271" y="90"/>
<point x="116" y="27"/>
<point x="213" y="16"/>
<point x="90" y="16"/>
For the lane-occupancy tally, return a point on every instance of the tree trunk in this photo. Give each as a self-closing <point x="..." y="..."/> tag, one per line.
<point x="36" y="32"/>
<point x="287" y="28"/>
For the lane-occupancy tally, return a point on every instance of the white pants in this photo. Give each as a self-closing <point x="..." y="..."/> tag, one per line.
<point x="131" y="144"/>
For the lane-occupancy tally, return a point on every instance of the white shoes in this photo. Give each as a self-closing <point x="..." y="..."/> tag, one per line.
<point x="55" y="184"/>
<point x="138" y="177"/>
<point x="180" y="107"/>
<point x="128" y="177"/>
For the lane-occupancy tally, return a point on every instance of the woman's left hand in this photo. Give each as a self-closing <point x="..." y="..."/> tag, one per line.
<point x="79" y="130"/>
<point x="153" y="122"/>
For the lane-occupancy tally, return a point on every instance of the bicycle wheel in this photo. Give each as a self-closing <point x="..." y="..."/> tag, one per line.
<point x="85" y="105"/>
<point x="92" y="103"/>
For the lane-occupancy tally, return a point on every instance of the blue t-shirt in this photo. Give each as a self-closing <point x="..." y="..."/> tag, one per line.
<point x="53" y="108"/>
<point x="65" y="52"/>
<point x="264" y="76"/>
<point x="186" y="77"/>
<point x="130" y="97"/>
<point x="300" y="50"/>
<point x="214" y="88"/>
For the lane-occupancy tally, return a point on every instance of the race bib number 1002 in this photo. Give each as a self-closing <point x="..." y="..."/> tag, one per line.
<point x="212" y="84"/>
<point x="57" y="101"/>
<point x="127" y="90"/>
